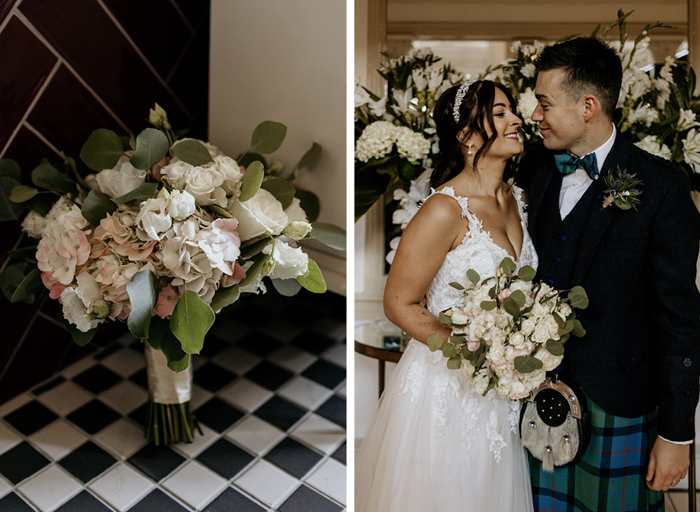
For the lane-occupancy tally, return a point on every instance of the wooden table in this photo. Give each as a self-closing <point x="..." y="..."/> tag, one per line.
<point x="380" y="340"/>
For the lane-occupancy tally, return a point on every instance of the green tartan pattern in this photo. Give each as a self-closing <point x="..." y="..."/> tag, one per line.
<point x="610" y="476"/>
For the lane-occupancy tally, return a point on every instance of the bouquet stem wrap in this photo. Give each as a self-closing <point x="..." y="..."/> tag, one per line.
<point x="170" y="418"/>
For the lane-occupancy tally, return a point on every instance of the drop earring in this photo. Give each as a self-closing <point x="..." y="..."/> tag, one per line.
<point x="469" y="149"/>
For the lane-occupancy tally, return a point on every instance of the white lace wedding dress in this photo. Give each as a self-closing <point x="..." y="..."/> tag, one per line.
<point x="435" y="444"/>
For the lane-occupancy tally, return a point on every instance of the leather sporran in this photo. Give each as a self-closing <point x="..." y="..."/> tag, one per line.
<point x="555" y="424"/>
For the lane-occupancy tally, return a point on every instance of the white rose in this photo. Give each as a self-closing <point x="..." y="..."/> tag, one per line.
<point x="565" y="310"/>
<point x="552" y="326"/>
<point x="120" y="180"/>
<point x="528" y="70"/>
<point x="297" y="230"/>
<point x="517" y="340"/>
<point x="175" y="173"/>
<point x="181" y="205"/>
<point x="541" y="333"/>
<point x="539" y="311"/>
<point x="206" y="185"/>
<point x="549" y="361"/>
<point x="34" y="224"/>
<point x="153" y="217"/>
<point x="481" y="380"/>
<point x="231" y="173"/>
<point x="295" y="212"/>
<point x="260" y="214"/>
<point x="287" y="262"/>
<point x="459" y="318"/>
<point x="528" y="326"/>
<point x="502" y="321"/>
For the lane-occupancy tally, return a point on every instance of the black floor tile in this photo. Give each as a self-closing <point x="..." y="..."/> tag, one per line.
<point x="304" y="499"/>
<point x="156" y="461"/>
<point x="13" y="503"/>
<point x="293" y="457"/>
<point x="49" y="385"/>
<point x="140" y="378"/>
<point x="31" y="418"/>
<point x="213" y="344"/>
<point x="334" y="410"/>
<point x="313" y="342"/>
<point x="93" y="416"/>
<point x="225" y="458"/>
<point x="158" y="501"/>
<point x="213" y="377"/>
<point x="268" y="375"/>
<point x="84" y="502"/>
<point x="302" y="312"/>
<point x="218" y="415"/>
<point x="280" y="413"/>
<point x="87" y="461"/>
<point x="139" y="414"/>
<point x="341" y="454"/>
<point x="20" y="462"/>
<point x="259" y="343"/>
<point x="252" y="315"/>
<point x="325" y="373"/>
<point x="97" y="379"/>
<point x="231" y="500"/>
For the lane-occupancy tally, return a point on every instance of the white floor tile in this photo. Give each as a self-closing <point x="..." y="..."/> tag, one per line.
<point x="78" y="367"/>
<point x="246" y="395"/>
<point x="124" y="397"/>
<point x="255" y="435"/>
<point x="331" y="327"/>
<point x="122" y="438"/>
<point x="125" y="362"/>
<point x="15" y="404"/>
<point x="337" y="355"/>
<point x="65" y="398"/>
<point x="282" y="330"/>
<point x="5" y="487"/>
<point x="195" y="484"/>
<point x="200" y="443"/>
<point x="292" y="358"/>
<point x="199" y="396"/>
<point x="305" y="392"/>
<point x="342" y="390"/>
<point x="319" y="433"/>
<point x="50" y="489"/>
<point x="237" y="360"/>
<point x="58" y="439"/>
<point x="267" y="483"/>
<point x="329" y="478"/>
<point x="121" y="487"/>
<point x="8" y="438"/>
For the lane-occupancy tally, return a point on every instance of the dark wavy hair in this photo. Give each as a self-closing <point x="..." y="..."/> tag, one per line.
<point x="475" y="113"/>
<point x="591" y="66"/>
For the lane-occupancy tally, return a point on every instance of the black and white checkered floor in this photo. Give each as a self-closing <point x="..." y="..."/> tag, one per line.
<point x="269" y="396"/>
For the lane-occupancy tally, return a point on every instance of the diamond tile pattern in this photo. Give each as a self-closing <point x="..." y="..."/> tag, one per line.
<point x="250" y="397"/>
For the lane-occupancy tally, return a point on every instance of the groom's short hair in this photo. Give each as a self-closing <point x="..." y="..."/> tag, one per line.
<point x="592" y="67"/>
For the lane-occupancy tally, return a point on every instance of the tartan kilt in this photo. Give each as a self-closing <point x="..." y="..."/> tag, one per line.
<point x="611" y="474"/>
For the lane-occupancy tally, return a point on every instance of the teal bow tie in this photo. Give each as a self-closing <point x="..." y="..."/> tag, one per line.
<point x="567" y="163"/>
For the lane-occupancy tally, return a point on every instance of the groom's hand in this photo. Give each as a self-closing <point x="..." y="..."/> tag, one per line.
<point x="668" y="462"/>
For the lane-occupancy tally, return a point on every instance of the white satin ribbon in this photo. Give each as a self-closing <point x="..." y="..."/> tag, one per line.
<point x="164" y="385"/>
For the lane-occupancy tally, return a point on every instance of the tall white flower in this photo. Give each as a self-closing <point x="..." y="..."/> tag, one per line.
<point x="691" y="150"/>
<point x="528" y="70"/>
<point x="686" y="120"/>
<point x="527" y="102"/>
<point x="362" y="97"/>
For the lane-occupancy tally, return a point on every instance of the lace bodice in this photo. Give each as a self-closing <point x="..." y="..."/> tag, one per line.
<point x="477" y="251"/>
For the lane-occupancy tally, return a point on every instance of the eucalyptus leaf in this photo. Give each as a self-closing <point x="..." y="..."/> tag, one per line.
<point x="218" y="210"/>
<point x="151" y="147"/>
<point x="527" y="273"/>
<point x="568" y="327"/>
<point x="192" y="152"/>
<point x="555" y="348"/>
<point x="458" y="339"/>
<point x="564" y="338"/>
<point x="28" y="287"/>
<point x="190" y="322"/>
<point x="96" y="207"/>
<point x="287" y="287"/>
<point x="449" y="350"/>
<point x="518" y="297"/>
<point x="10" y="278"/>
<point x="281" y="189"/>
<point x="248" y="158"/>
<point x="507" y="265"/>
<point x="27" y="253"/>
<point x="225" y="297"/>
<point x="268" y="137"/>
<point x="454" y="363"/>
<point x="22" y="193"/>
<point x="172" y="349"/>
<point x="143" y="295"/>
<point x="456" y="286"/>
<point x="251" y="181"/>
<point x="10" y="169"/>
<point x="311" y="155"/>
<point x="488" y="305"/>
<point x="444" y="319"/>
<point x="159" y="327"/>
<point x="79" y="337"/>
<point x="313" y="281"/>
<point x="251" y="274"/>
<point x="102" y="150"/>
<point x="478" y="360"/>
<point x="48" y="177"/>
<point x="473" y="276"/>
<point x="467" y="353"/>
<point x="492" y="292"/>
<point x="126" y="142"/>
<point x="435" y="342"/>
<point x="511" y="307"/>
<point x="561" y="322"/>
<point x="9" y="210"/>
<point x="578" y="329"/>
<point x="141" y="193"/>
<point x="578" y="297"/>
<point x="309" y="203"/>
<point x="527" y="364"/>
<point x="248" y="249"/>
<point x="181" y="365"/>
<point x="331" y="235"/>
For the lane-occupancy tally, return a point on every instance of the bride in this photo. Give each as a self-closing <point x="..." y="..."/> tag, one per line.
<point x="435" y="444"/>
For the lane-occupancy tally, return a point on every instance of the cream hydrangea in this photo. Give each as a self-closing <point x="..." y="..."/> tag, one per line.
<point x="377" y="141"/>
<point x="411" y="145"/>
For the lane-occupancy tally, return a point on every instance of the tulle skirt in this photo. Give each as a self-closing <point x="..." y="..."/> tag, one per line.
<point x="436" y="445"/>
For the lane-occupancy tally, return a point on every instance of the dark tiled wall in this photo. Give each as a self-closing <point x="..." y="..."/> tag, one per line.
<point x="67" y="68"/>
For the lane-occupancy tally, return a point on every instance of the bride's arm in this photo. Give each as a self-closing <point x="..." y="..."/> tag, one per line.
<point x="424" y="244"/>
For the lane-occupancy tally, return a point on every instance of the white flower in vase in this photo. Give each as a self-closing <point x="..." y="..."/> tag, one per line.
<point x="686" y="120"/>
<point x="651" y="144"/>
<point x="691" y="149"/>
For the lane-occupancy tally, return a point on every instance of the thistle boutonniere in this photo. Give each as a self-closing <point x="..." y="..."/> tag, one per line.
<point x="622" y="190"/>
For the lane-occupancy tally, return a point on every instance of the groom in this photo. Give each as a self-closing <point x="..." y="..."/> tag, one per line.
<point x="639" y="362"/>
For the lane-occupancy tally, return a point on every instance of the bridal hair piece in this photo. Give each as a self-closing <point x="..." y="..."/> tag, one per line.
<point x="461" y="92"/>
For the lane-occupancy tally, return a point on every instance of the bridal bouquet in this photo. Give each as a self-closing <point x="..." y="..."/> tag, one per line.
<point x="510" y="331"/>
<point x="163" y="235"/>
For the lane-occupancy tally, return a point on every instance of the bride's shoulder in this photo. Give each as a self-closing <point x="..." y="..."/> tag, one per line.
<point x="442" y="202"/>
